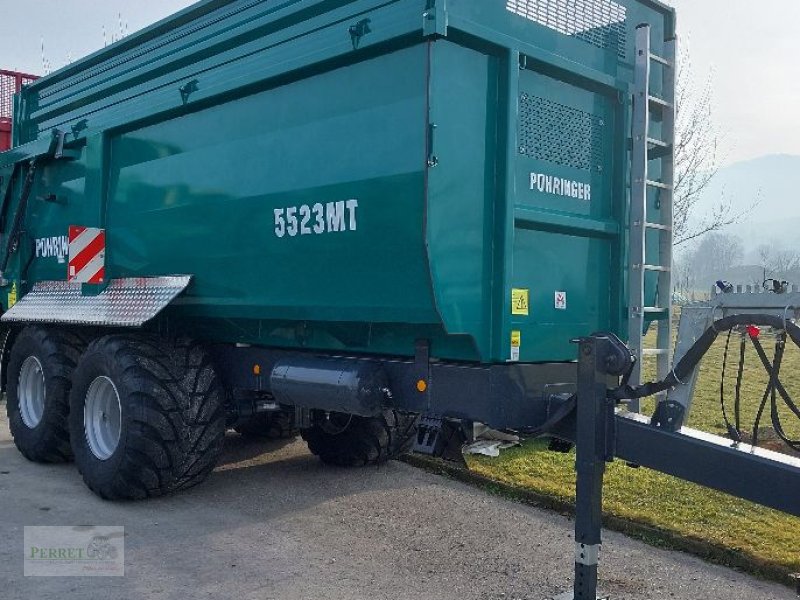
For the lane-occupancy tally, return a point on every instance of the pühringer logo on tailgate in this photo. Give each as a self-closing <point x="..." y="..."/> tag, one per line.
<point x="558" y="186"/>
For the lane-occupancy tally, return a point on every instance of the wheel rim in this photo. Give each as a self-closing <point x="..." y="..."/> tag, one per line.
<point x="102" y="418"/>
<point x="31" y="391"/>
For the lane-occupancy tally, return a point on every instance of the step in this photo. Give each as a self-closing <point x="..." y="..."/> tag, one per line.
<point x="655" y="352"/>
<point x="656" y="142"/>
<point x="659" y="102"/>
<point x="658" y="226"/>
<point x="659" y="184"/>
<point x="657" y="268"/>
<point x="660" y="60"/>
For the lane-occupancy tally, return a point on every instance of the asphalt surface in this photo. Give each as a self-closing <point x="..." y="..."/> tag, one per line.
<point x="273" y="523"/>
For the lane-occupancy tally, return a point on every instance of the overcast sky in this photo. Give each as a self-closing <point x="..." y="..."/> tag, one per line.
<point x="749" y="49"/>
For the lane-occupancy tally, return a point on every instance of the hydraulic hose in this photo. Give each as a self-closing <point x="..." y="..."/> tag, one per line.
<point x="683" y="369"/>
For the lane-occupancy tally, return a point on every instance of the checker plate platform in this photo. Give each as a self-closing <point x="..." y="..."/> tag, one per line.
<point x="128" y="302"/>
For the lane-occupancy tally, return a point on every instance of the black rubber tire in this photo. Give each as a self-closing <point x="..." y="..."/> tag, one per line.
<point x="173" y="416"/>
<point x="364" y="440"/>
<point x="58" y="351"/>
<point x="277" y="425"/>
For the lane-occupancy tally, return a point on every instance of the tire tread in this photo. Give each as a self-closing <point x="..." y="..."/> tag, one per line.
<point x="178" y="416"/>
<point x="366" y="441"/>
<point x="61" y="349"/>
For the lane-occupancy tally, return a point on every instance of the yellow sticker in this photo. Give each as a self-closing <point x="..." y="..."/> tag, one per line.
<point x="12" y="295"/>
<point x="519" y="302"/>
<point x="516" y="342"/>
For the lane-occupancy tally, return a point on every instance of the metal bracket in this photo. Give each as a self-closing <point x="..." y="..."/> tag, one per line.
<point x="440" y="438"/>
<point x="358" y="31"/>
<point x="188" y="89"/>
<point x="80" y="126"/>
<point x="57" y="150"/>
<point x="697" y="318"/>
<point x="433" y="160"/>
<point x="434" y="19"/>
<point x="669" y="415"/>
<point x="587" y="554"/>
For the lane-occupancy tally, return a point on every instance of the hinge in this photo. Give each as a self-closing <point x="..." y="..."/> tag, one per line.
<point x="433" y="160"/>
<point x="57" y="150"/>
<point x="434" y="19"/>
<point x="358" y="31"/>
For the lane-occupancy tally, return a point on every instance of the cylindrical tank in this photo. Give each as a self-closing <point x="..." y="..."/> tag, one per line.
<point x="347" y="386"/>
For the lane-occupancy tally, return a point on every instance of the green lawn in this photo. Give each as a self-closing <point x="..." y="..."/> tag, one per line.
<point x="768" y="541"/>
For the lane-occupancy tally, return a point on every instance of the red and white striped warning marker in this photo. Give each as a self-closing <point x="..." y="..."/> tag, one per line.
<point x="87" y="254"/>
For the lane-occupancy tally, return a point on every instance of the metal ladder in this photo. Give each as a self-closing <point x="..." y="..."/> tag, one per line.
<point x="647" y="151"/>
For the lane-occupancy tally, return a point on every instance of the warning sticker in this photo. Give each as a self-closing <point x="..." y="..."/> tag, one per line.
<point x="561" y="300"/>
<point x="520" y="302"/>
<point x="12" y="295"/>
<point x="516" y="342"/>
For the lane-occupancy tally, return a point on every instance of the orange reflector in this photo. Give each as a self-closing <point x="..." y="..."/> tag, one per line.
<point x="256" y="369"/>
<point x="422" y="385"/>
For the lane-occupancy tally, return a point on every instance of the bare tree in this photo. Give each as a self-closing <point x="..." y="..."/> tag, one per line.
<point x="776" y="261"/>
<point x="715" y="255"/>
<point x="696" y="160"/>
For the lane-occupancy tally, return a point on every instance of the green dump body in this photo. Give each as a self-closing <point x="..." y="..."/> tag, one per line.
<point x="353" y="176"/>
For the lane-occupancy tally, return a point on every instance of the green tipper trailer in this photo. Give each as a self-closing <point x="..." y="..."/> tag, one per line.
<point x="369" y="220"/>
<point x="326" y="214"/>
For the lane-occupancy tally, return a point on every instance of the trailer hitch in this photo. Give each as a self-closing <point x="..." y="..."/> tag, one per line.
<point x="601" y="433"/>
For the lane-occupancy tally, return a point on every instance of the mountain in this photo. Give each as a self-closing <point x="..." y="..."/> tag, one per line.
<point x="766" y="191"/>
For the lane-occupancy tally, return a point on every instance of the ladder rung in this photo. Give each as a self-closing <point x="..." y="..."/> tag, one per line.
<point x="655" y="352"/>
<point x="658" y="226"/>
<point x="659" y="143"/>
<point x="658" y="268"/>
<point x="660" y="102"/>
<point x="658" y="149"/>
<point x="660" y="60"/>
<point x="658" y="184"/>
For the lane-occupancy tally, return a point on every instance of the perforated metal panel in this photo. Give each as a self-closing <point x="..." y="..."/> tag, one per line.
<point x="7" y="91"/>
<point x="10" y="84"/>
<point x="600" y="23"/>
<point x="559" y="134"/>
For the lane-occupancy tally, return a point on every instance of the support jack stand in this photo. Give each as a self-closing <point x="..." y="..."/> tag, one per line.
<point x="599" y="357"/>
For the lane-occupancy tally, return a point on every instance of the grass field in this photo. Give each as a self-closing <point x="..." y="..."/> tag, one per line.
<point x="764" y="541"/>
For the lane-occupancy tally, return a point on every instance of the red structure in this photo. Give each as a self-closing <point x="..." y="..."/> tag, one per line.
<point x="10" y="83"/>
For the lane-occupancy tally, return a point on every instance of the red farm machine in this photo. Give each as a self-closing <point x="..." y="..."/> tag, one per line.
<point x="11" y="83"/>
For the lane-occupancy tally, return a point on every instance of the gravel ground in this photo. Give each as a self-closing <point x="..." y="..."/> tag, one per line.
<point x="272" y="523"/>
